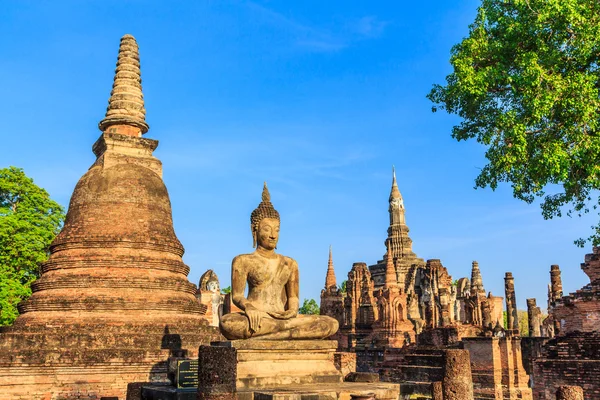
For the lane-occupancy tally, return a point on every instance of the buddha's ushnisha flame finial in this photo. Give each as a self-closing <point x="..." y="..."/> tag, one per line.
<point x="126" y="102"/>
<point x="395" y="194"/>
<point x="266" y="196"/>
<point x="264" y="210"/>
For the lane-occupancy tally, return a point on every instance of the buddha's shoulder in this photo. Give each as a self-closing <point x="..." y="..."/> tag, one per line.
<point x="243" y="257"/>
<point x="289" y="260"/>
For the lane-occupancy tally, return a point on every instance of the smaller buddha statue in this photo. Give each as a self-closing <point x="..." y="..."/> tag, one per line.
<point x="270" y="312"/>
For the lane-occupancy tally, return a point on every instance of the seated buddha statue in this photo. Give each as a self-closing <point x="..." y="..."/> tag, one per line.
<point x="270" y="312"/>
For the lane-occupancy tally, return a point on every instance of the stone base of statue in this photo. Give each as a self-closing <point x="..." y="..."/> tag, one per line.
<point x="276" y="369"/>
<point x="272" y="363"/>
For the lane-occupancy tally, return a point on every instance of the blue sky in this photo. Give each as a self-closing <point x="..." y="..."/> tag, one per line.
<point x="318" y="98"/>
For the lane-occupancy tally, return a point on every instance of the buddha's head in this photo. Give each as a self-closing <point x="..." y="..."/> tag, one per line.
<point x="268" y="233"/>
<point x="264" y="223"/>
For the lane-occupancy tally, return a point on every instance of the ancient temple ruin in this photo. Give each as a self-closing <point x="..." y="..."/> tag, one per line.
<point x="113" y="301"/>
<point x="113" y="307"/>
<point x="403" y="315"/>
<point x="572" y="356"/>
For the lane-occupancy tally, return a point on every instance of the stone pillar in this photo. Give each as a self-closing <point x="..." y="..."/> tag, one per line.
<point x="458" y="382"/>
<point x="534" y="318"/>
<point x="569" y="393"/>
<point x="217" y="373"/>
<point x="437" y="391"/>
<point x="556" y="293"/>
<point x="512" y="317"/>
<point x="555" y="283"/>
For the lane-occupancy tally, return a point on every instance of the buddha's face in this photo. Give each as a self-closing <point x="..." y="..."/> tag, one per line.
<point x="268" y="233"/>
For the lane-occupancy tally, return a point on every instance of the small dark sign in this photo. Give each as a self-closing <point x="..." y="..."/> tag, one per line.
<point x="187" y="374"/>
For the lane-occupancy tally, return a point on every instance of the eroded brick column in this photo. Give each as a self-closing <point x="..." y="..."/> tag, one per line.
<point x="217" y="373"/>
<point x="437" y="391"/>
<point x="555" y="283"/>
<point x="512" y="318"/>
<point x="534" y="318"/>
<point x="569" y="393"/>
<point x="458" y="382"/>
<point x="556" y="292"/>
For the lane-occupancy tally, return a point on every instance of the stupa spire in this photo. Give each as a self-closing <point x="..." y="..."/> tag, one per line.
<point x="395" y="193"/>
<point x="125" y="113"/>
<point x="330" y="281"/>
<point x="391" y="279"/>
<point x="476" y="279"/>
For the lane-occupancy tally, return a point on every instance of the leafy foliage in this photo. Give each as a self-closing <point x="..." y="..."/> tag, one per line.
<point x="526" y="83"/>
<point x="342" y="287"/>
<point x="309" y="307"/>
<point x="226" y="290"/>
<point x="29" y="221"/>
<point x="523" y="322"/>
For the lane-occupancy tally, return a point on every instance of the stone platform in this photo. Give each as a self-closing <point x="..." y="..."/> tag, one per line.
<point x="280" y="370"/>
<point x="270" y="363"/>
<point x="327" y="391"/>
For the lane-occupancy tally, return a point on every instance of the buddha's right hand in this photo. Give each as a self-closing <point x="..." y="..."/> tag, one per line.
<point x="254" y="317"/>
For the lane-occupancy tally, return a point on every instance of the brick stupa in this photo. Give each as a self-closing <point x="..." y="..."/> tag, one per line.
<point x="113" y="301"/>
<point x="405" y="260"/>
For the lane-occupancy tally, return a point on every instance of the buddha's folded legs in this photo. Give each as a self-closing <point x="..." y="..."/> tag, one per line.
<point x="236" y="326"/>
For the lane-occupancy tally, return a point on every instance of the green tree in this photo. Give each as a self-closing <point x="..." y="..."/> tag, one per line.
<point x="526" y="84"/>
<point x="226" y="290"/>
<point x="29" y="221"/>
<point x="523" y="322"/>
<point x="309" y="306"/>
<point x="342" y="287"/>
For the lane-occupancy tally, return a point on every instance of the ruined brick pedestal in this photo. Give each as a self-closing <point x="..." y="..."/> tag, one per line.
<point x="217" y="375"/>
<point x="291" y="369"/>
<point x="274" y="363"/>
<point x="497" y="368"/>
<point x="573" y="357"/>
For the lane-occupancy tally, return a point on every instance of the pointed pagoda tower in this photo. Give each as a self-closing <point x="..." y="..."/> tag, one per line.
<point x="400" y="244"/>
<point x="476" y="279"/>
<point x="113" y="296"/>
<point x="332" y="300"/>
<point x="392" y="328"/>
<point x="330" y="281"/>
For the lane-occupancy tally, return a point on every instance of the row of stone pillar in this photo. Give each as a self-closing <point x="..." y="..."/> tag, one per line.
<point x="534" y="313"/>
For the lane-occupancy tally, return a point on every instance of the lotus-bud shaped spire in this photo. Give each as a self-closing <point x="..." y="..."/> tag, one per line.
<point x="125" y="113"/>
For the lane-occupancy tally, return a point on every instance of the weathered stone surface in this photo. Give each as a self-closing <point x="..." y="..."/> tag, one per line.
<point x="270" y="311"/>
<point x="362" y="377"/>
<point x="569" y="393"/>
<point x="217" y="373"/>
<point x="572" y="357"/>
<point x="534" y="318"/>
<point x="497" y="368"/>
<point x="113" y="301"/>
<point x="326" y="391"/>
<point x="345" y="362"/>
<point x="512" y="317"/>
<point x="274" y="364"/>
<point x="209" y="295"/>
<point x="457" y="382"/>
<point x="332" y="301"/>
<point x="555" y="283"/>
<point x="125" y="113"/>
<point x="437" y="391"/>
